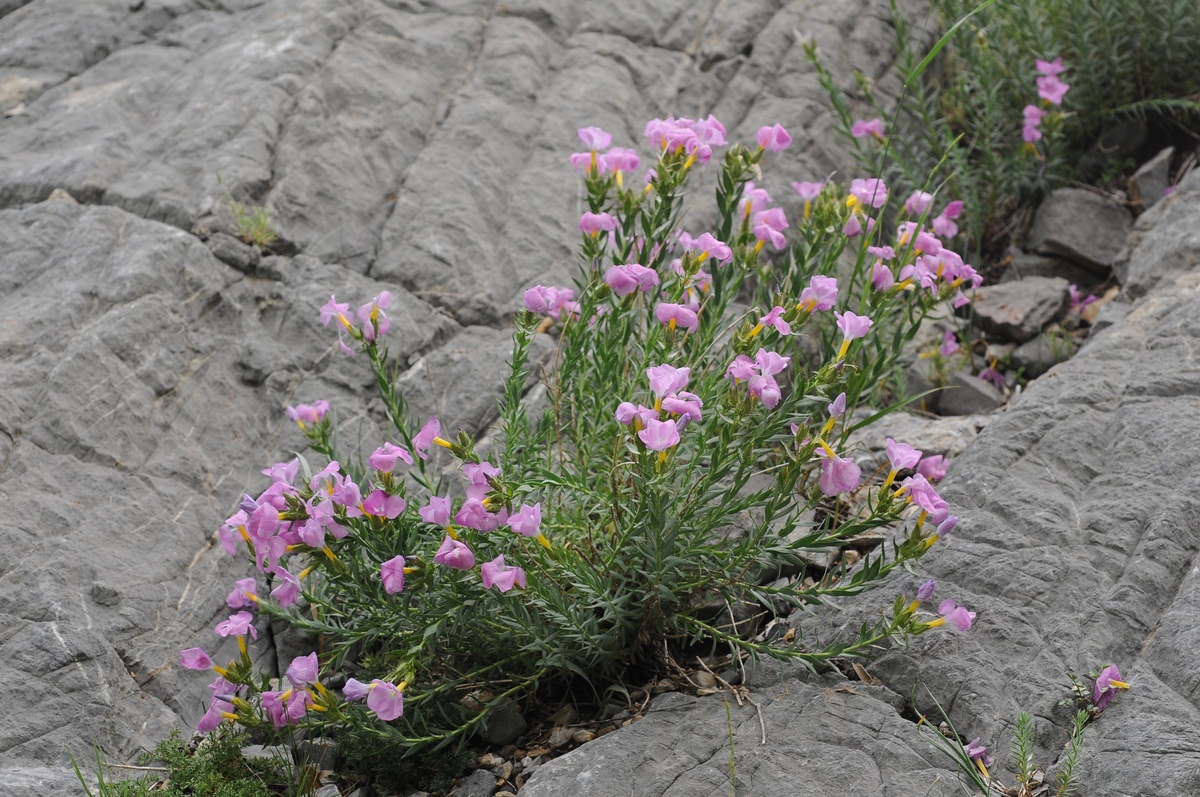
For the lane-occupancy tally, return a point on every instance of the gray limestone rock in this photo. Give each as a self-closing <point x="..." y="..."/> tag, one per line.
<point x="1153" y="177"/>
<point x="815" y="734"/>
<point x="1166" y="240"/>
<point x="1078" y="547"/>
<point x="968" y="395"/>
<point x="1024" y="266"/>
<point x="1037" y="356"/>
<point x="1019" y="310"/>
<point x="479" y="783"/>
<point x="1082" y="226"/>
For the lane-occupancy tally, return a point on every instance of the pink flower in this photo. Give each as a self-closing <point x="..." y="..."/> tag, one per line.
<point x="672" y="315"/>
<point x="305" y="413"/>
<point x="990" y="374"/>
<point x="752" y="198"/>
<point x="386" y="700"/>
<point x="437" y="511"/>
<point x="1054" y="67"/>
<point x="332" y="310"/>
<point x="426" y="437"/>
<point x="619" y="159"/>
<point x="977" y="752"/>
<point x="631" y="277"/>
<point x="956" y="615"/>
<point x="821" y="293"/>
<point x="918" y="203"/>
<point x="243" y="589"/>
<point x="374" y="321"/>
<point x="775" y="319"/>
<point x="1107" y="684"/>
<point x="862" y="128"/>
<point x="853" y="326"/>
<point x="838" y="475"/>
<point x="594" y="138"/>
<point x="837" y="407"/>
<point x="774" y="138"/>
<point x="238" y="624"/>
<point x="303" y="670"/>
<point x="1051" y="89"/>
<point x="287" y="592"/>
<point x="687" y="405"/>
<point x="666" y="379"/>
<point x="383" y="459"/>
<point x="932" y="467"/>
<point x="355" y="689"/>
<point x="853" y="227"/>
<point x="709" y="246"/>
<point x="869" y="191"/>
<point x="923" y="495"/>
<point x="659" y="435"/>
<point x="881" y="277"/>
<point x="391" y="573"/>
<point x="808" y="191"/>
<point x="527" y="521"/>
<point x="454" y="554"/>
<point x="381" y="504"/>
<point x="901" y="455"/>
<point x="541" y="299"/>
<point x="925" y="591"/>
<point x="949" y="345"/>
<point x="474" y="515"/>
<point x="593" y="223"/>
<point x="195" y="659"/>
<point x="501" y="576"/>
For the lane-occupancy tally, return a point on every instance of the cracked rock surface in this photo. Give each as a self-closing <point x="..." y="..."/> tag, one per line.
<point x="421" y="148"/>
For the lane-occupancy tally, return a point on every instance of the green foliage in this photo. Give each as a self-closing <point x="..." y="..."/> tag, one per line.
<point x="215" y="769"/>
<point x="962" y="120"/>
<point x="253" y="223"/>
<point x="392" y="772"/>
<point x="1064" y="777"/>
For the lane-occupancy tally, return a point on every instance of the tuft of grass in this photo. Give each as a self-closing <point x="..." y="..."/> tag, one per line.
<point x="253" y="223"/>
<point x="216" y="768"/>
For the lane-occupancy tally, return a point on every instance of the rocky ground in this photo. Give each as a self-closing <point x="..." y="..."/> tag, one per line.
<point x="146" y="356"/>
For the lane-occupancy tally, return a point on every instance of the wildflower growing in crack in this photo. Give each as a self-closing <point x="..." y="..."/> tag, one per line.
<point x="630" y="277"/>
<point x="863" y="128"/>
<point x="773" y="138"/>
<point x="374" y="321"/>
<point x="454" y="554"/>
<point x="1107" y="684"/>
<point x="672" y="315"/>
<point x="594" y="223"/>
<point x="501" y="576"/>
